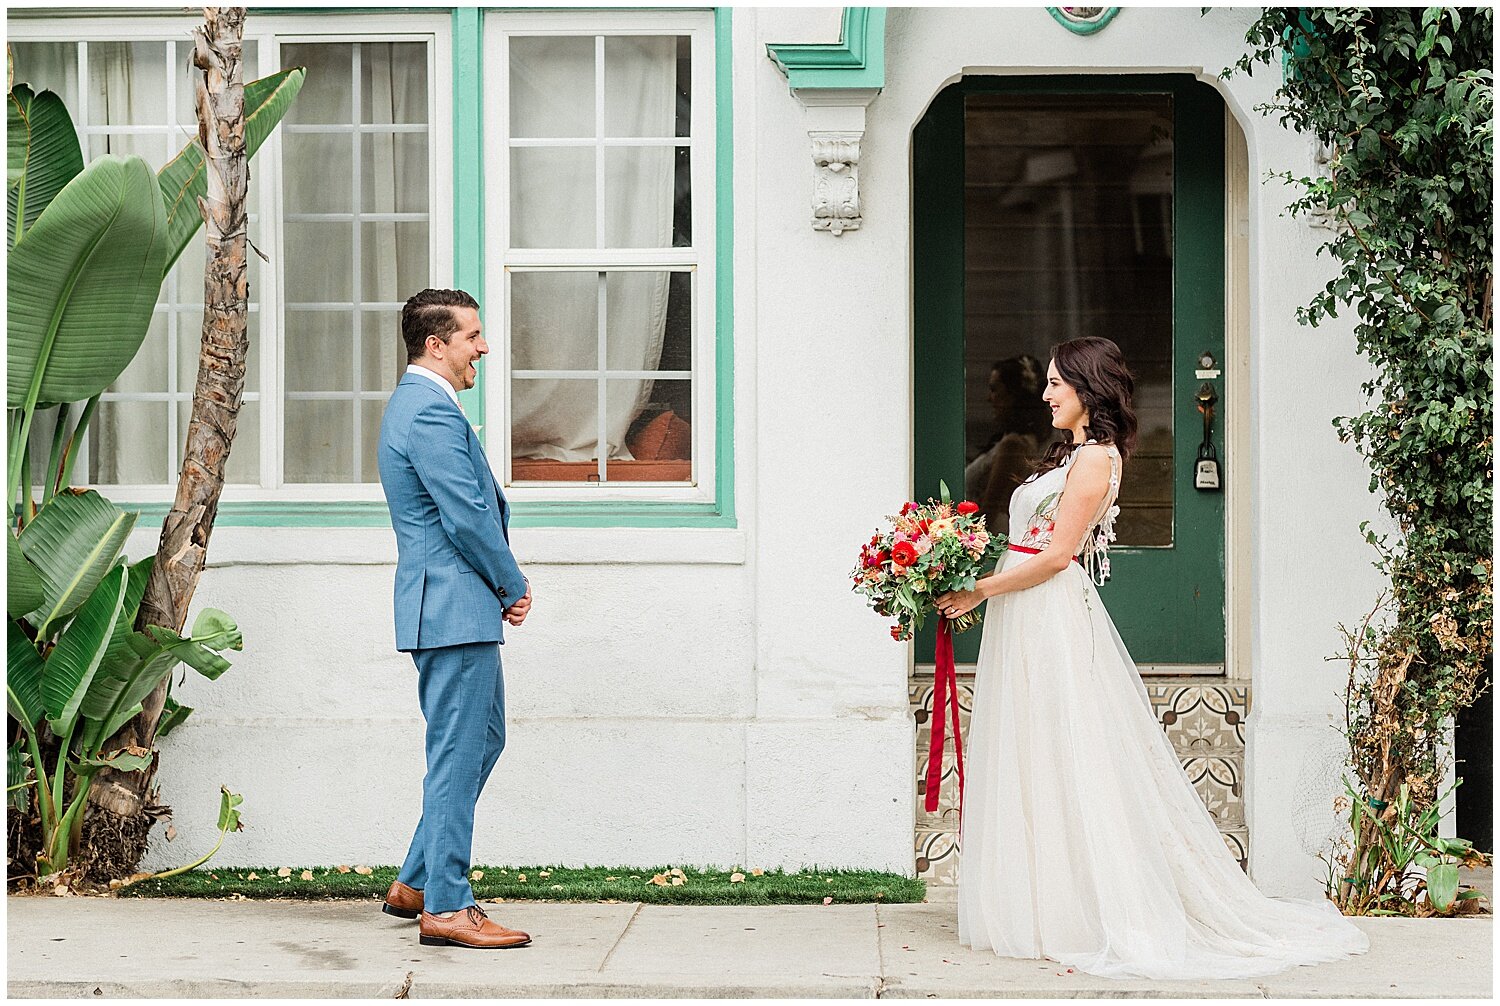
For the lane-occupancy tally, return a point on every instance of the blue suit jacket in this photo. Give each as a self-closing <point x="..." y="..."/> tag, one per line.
<point x="455" y="574"/>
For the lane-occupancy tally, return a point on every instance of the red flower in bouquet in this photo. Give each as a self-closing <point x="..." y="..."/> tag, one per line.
<point x="926" y="550"/>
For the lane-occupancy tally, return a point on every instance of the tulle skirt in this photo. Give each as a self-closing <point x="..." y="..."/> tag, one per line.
<point x="1083" y="840"/>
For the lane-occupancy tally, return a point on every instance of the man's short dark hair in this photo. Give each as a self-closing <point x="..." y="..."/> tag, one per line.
<point x="430" y="312"/>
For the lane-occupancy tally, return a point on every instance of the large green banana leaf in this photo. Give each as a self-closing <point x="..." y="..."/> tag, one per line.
<point x="18" y="775"/>
<point x="23" y="584"/>
<point x="120" y="685"/>
<point x="23" y="679"/>
<point x="72" y="664"/>
<point x="172" y="715"/>
<point x="74" y="541"/>
<point x="135" y="588"/>
<point x="183" y="180"/>
<point x="83" y="284"/>
<point x="212" y="630"/>
<point x="42" y="156"/>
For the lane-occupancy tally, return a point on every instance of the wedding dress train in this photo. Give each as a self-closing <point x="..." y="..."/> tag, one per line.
<point x="1083" y="840"/>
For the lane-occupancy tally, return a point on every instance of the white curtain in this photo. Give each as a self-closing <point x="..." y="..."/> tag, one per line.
<point x="554" y="320"/>
<point x="322" y="346"/>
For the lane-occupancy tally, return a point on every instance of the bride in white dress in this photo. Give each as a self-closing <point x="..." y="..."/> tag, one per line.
<point x="1083" y="840"/>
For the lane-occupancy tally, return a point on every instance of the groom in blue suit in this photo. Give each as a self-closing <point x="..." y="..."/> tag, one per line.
<point x="457" y="584"/>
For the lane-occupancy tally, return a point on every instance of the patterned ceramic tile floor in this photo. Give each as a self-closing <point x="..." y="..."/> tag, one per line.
<point x="1204" y="719"/>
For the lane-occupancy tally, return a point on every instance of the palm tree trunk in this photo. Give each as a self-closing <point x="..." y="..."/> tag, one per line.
<point x="183" y="549"/>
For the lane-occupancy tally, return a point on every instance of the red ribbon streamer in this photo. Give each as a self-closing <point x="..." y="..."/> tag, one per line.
<point x="944" y="694"/>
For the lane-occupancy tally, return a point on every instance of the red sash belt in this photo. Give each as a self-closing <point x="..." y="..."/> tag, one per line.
<point x="1037" y="551"/>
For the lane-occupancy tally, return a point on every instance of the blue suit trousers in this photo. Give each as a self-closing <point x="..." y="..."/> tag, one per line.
<point x="462" y="692"/>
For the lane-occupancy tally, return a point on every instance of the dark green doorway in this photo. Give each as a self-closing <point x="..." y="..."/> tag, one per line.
<point x="1048" y="208"/>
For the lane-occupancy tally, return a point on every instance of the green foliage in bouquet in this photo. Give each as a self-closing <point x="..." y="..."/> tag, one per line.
<point x="931" y="549"/>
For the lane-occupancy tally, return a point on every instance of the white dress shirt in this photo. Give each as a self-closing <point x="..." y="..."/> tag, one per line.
<point x="435" y="378"/>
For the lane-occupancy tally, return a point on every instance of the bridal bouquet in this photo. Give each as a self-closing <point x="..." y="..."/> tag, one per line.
<point x="929" y="550"/>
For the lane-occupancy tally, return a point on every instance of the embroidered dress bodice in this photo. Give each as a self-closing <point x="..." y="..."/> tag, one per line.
<point x="1033" y="513"/>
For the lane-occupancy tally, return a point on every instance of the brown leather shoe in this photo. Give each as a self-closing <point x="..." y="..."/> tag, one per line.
<point x="403" y="902"/>
<point x="469" y="928"/>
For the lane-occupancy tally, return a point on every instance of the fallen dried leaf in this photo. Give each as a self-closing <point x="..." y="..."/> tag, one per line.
<point x="676" y="871"/>
<point x="61" y="891"/>
<point x="678" y="881"/>
<point x="610" y="879"/>
<point x="307" y="875"/>
<point x="236" y="896"/>
<point x="363" y="871"/>
<point x="544" y="873"/>
<point x="116" y="884"/>
<point x="342" y="868"/>
<point x="477" y="875"/>
<point x="736" y="878"/>
<point x="253" y="876"/>
<point x="171" y="832"/>
<point x="497" y="901"/>
<point x="557" y="887"/>
<point x="757" y="873"/>
<point x="521" y="877"/>
<point x="827" y="880"/>
<point x="285" y="871"/>
<point x="661" y="880"/>
<point x="827" y="901"/>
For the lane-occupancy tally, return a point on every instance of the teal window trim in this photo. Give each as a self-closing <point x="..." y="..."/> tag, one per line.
<point x="468" y="273"/>
<point x="468" y="177"/>
<point x="857" y="59"/>
<point x="1083" y="27"/>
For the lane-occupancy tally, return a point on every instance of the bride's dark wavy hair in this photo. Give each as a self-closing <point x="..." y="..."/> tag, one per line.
<point x="1096" y="370"/>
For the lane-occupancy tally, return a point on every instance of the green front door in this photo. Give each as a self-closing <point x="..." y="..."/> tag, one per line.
<point x="1050" y="208"/>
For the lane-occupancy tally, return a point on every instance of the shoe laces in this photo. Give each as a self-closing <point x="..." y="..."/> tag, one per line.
<point x="476" y="915"/>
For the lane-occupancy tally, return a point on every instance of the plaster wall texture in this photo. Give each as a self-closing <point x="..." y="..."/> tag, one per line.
<point x="720" y="696"/>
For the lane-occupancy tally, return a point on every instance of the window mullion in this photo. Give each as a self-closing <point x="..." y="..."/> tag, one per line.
<point x="602" y="447"/>
<point x="273" y="304"/>
<point x="356" y="201"/>
<point x="174" y="290"/>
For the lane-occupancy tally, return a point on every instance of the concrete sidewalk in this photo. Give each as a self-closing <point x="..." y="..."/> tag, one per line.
<point x="90" y="947"/>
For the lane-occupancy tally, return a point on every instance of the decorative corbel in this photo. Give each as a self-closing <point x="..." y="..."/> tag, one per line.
<point x="834" y="83"/>
<point x="835" y="203"/>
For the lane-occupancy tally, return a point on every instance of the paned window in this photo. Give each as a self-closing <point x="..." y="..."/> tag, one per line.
<point x="136" y="99"/>
<point x="343" y="205"/>
<point x="603" y="137"/>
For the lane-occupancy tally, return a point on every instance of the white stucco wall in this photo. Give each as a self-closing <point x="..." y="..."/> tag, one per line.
<point x="719" y="697"/>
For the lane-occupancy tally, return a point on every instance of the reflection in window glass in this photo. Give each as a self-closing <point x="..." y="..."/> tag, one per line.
<point x="1068" y="233"/>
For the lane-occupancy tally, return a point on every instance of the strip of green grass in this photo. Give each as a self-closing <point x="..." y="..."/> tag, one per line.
<point x="556" y="883"/>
